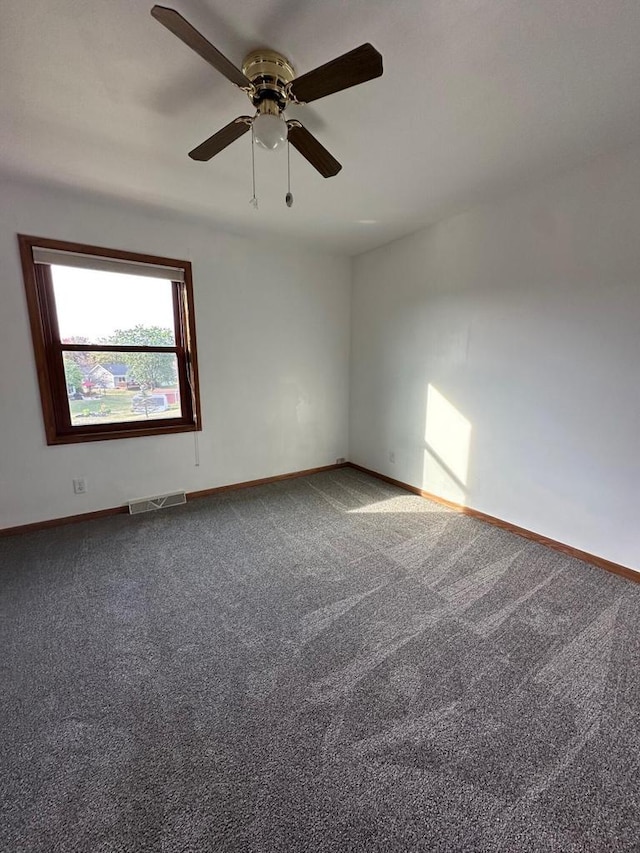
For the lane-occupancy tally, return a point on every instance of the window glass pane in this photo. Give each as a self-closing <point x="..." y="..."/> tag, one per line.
<point x="108" y="387"/>
<point x="97" y="307"/>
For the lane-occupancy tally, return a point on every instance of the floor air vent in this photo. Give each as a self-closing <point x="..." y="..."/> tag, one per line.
<point x="157" y="502"/>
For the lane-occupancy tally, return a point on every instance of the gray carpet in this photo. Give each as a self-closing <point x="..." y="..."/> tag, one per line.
<point x="323" y="664"/>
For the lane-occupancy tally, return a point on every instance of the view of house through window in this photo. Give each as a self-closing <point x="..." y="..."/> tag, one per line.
<point x="96" y="307"/>
<point x="114" y="341"/>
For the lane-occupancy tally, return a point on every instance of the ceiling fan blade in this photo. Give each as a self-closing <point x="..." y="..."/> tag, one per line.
<point x="312" y="150"/>
<point x="180" y="27"/>
<point x="214" y="144"/>
<point x="359" y="65"/>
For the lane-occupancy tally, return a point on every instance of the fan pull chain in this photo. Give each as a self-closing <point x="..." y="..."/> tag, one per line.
<point x="254" y="199"/>
<point x="289" y="196"/>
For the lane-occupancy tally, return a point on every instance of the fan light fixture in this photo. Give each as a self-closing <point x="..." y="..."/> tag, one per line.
<point x="269" y="81"/>
<point x="269" y="130"/>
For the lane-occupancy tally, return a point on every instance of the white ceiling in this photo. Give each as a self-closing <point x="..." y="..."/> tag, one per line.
<point x="478" y="96"/>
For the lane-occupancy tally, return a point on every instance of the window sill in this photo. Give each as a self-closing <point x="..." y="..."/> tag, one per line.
<point x="110" y="435"/>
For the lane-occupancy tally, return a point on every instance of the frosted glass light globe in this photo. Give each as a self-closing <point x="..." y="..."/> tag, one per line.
<point x="269" y="130"/>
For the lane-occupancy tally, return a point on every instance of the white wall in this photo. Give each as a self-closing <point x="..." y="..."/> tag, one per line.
<point x="273" y="346"/>
<point x="524" y="314"/>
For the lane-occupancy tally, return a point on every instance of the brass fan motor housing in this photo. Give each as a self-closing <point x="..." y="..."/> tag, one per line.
<point x="270" y="73"/>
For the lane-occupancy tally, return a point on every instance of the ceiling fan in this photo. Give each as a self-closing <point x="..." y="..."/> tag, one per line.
<point x="269" y="80"/>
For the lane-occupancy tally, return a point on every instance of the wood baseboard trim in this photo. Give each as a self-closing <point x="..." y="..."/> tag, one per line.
<point x="232" y="487"/>
<point x="586" y="557"/>
<point x="118" y="510"/>
<point x="59" y="522"/>
<point x="593" y="559"/>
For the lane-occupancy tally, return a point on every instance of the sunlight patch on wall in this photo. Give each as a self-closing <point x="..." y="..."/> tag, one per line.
<point x="446" y="454"/>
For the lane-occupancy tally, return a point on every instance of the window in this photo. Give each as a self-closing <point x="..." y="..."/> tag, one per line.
<point x="114" y="341"/>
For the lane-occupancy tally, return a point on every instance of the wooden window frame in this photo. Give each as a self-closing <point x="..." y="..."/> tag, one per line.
<point x="49" y="349"/>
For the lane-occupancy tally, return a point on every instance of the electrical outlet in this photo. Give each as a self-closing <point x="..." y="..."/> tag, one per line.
<point x="80" y="486"/>
<point x="340" y="460"/>
<point x="392" y="456"/>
